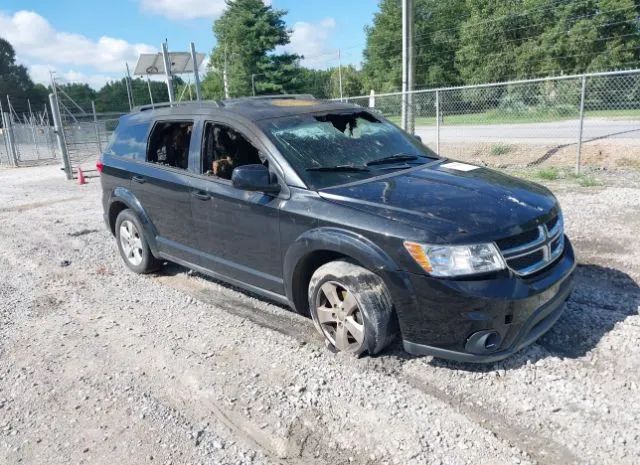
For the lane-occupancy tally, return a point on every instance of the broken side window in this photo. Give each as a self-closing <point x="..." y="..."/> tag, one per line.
<point x="169" y="144"/>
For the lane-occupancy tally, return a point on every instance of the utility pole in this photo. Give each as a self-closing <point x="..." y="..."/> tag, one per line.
<point x="225" y="80"/>
<point x="408" y="72"/>
<point x="340" y="72"/>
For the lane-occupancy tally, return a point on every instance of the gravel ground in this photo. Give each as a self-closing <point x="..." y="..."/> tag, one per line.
<point x="98" y="365"/>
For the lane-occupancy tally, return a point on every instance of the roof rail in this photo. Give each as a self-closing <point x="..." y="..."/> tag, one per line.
<point x="154" y="106"/>
<point x="283" y="97"/>
<point x="260" y="98"/>
<point x="222" y="103"/>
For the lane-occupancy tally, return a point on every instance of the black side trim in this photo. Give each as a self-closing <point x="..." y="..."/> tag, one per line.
<point x="234" y="282"/>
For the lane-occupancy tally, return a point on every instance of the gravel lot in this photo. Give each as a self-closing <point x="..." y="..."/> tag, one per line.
<point x="101" y="366"/>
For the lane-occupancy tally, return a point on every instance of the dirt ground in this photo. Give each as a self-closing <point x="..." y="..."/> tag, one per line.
<point x="598" y="154"/>
<point x="102" y="366"/>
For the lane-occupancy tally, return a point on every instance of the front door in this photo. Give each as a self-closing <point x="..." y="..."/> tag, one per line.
<point x="238" y="230"/>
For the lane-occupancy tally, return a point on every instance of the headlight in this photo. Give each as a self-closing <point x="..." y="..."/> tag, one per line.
<point x="456" y="260"/>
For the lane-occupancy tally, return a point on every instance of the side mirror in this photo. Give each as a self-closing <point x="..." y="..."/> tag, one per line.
<point x="418" y="137"/>
<point x="254" y="178"/>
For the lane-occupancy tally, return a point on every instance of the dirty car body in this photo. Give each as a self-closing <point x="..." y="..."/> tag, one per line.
<point x="476" y="263"/>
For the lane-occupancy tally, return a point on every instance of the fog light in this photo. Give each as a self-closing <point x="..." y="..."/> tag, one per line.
<point x="483" y="342"/>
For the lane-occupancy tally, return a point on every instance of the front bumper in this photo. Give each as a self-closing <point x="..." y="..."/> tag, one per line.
<point x="445" y="313"/>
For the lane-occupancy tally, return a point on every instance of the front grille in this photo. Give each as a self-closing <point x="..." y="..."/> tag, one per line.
<point x="521" y="263"/>
<point x="533" y="250"/>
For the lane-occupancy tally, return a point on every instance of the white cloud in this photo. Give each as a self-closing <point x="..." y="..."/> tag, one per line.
<point x="34" y="38"/>
<point x="184" y="9"/>
<point x="312" y="41"/>
<point x="40" y="73"/>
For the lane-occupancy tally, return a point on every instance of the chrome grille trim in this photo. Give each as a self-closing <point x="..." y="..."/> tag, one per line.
<point x="543" y="243"/>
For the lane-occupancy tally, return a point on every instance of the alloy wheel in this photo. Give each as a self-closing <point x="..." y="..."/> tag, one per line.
<point x="340" y="317"/>
<point x="131" y="242"/>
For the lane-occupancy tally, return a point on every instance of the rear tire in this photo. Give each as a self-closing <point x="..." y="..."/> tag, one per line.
<point x="351" y="308"/>
<point x="132" y="244"/>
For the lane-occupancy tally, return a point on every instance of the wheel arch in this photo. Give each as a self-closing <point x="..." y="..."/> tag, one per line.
<point x="123" y="199"/>
<point x="318" y="246"/>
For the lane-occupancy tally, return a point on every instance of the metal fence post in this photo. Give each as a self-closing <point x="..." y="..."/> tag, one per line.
<point x="95" y="124"/>
<point x="581" y="123"/>
<point x="438" y="122"/>
<point x="11" y="142"/>
<point x="7" y="139"/>
<point x="196" y="76"/>
<point x="62" y="145"/>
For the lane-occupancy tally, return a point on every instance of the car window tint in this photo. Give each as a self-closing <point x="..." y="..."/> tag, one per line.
<point x="169" y="144"/>
<point x="129" y="141"/>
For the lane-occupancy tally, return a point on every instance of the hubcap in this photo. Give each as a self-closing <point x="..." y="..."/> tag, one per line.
<point x="340" y="317"/>
<point x="131" y="242"/>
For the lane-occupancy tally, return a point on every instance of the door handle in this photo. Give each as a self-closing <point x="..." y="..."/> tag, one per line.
<point x="138" y="179"/>
<point x="201" y="195"/>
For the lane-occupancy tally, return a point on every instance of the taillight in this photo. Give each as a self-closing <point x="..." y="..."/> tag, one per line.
<point x="99" y="165"/>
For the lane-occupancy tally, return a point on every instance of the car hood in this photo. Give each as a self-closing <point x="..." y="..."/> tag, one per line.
<point x="451" y="205"/>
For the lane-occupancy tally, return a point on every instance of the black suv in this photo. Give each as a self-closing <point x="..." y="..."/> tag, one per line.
<point x="333" y="210"/>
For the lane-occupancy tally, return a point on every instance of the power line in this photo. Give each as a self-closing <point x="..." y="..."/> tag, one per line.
<point x="429" y="35"/>
<point x="572" y="18"/>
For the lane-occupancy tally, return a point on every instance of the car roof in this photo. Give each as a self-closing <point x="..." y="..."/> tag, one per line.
<point x="251" y="108"/>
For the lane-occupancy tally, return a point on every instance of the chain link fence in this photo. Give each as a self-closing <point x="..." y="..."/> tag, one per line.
<point x="64" y="133"/>
<point x="567" y="121"/>
<point x="26" y="139"/>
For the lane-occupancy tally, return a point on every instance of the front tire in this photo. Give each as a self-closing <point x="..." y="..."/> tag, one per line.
<point x="132" y="244"/>
<point x="351" y="308"/>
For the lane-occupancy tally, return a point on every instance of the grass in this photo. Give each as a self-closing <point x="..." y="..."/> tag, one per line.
<point x="552" y="173"/>
<point x="549" y="174"/>
<point x="499" y="149"/>
<point x="588" y="181"/>
<point x="498" y="116"/>
<point x="584" y="180"/>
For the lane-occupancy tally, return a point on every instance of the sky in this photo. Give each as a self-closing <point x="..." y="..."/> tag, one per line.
<point x="90" y="41"/>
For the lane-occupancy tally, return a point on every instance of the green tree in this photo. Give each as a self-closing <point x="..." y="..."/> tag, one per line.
<point x="112" y="97"/>
<point x="212" y="87"/>
<point x="524" y="38"/>
<point x="316" y="82"/>
<point x="246" y="32"/>
<point x="16" y="83"/>
<point x="352" y="82"/>
<point x="436" y="39"/>
<point x="279" y="74"/>
<point x="80" y="94"/>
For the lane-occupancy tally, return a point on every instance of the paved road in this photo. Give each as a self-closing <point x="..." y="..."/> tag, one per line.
<point x="556" y="133"/>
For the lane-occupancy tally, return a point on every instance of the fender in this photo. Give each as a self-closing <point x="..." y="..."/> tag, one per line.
<point x="124" y="195"/>
<point x="350" y="244"/>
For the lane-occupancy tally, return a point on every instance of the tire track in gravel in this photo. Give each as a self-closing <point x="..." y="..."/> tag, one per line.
<point x="279" y="450"/>
<point x="543" y="450"/>
<point x="30" y="206"/>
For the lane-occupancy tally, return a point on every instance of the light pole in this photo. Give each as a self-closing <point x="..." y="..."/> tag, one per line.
<point x="407" y="65"/>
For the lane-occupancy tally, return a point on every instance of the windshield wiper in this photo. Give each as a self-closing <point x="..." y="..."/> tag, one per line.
<point x="339" y="168"/>
<point x="394" y="159"/>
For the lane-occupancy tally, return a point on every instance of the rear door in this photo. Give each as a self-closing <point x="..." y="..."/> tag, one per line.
<point x="238" y="230"/>
<point x="162" y="184"/>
